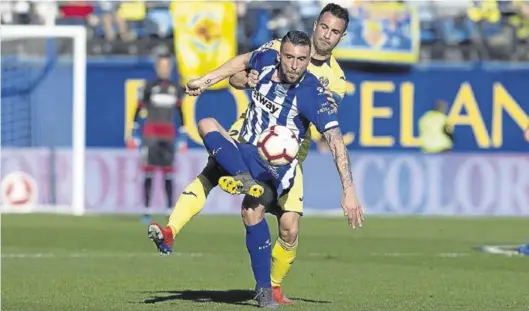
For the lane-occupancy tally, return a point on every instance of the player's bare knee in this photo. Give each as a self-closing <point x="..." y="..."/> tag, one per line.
<point x="207" y="125"/>
<point x="251" y="217"/>
<point x="251" y="212"/>
<point x="289" y="227"/>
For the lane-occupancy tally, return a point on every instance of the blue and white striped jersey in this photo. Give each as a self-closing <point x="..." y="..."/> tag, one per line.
<point x="292" y="105"/>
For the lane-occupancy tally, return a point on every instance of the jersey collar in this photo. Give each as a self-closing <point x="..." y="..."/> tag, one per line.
<point x="319" y="63"/>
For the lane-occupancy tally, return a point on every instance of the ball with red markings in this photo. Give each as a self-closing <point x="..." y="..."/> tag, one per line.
<point x="278" y="145"/>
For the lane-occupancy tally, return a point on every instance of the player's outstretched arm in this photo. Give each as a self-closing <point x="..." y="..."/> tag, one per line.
<point x="350" y="203"/>
<point x="237" y="64"/>
<point x="239" y="80"/>
<point x="245" y="79"/>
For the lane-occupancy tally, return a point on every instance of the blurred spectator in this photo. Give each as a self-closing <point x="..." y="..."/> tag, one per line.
<point x="449" y="30"/>
<point x="15" y="12"/>
<point x="46" y="12"/>
<point x="107" y="16"/>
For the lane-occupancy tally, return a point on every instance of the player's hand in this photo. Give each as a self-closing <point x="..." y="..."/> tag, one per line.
<point x="133" y="143"/>
<point x="330" y="99"/>
<point x="352" y="208"/>
<point x="253" y="78"/>
<point x="527" y="134"/>
<point x="196" y="87"/>
<point x="182" y="130"/>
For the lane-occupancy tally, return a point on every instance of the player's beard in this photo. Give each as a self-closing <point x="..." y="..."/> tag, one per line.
<point x="290" y="76"/>
<point x="323" y="47"/>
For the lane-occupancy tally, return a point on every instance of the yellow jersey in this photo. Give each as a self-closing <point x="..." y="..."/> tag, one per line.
<point x="330" y="75"/>
<point x="432" y="132"/>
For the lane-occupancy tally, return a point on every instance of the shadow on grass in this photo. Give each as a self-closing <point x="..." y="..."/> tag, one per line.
<point x="232" y="296"/>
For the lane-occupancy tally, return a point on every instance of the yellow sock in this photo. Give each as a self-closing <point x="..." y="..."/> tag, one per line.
<point x="283" y="255"/>
<point x="190" y="202"/>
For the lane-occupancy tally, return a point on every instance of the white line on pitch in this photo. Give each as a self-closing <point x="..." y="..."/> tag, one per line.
<point x="397" y="254"/>
<point x="92" y="255"/>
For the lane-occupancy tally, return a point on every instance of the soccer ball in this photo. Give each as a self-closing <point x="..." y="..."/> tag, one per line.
<point x="278" y="145"/>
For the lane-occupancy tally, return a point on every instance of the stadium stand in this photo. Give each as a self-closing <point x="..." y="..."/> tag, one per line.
<point x="450" y="30"/>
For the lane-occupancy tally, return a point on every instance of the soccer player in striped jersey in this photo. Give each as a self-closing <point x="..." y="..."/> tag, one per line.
<point x="328" y="30"/>
<point x="288" y="95"/>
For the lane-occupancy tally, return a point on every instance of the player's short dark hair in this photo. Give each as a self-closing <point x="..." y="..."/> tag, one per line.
<point x="163" y="56"/>
<point x="337" y="11"/>
<point x="296" y="37"/>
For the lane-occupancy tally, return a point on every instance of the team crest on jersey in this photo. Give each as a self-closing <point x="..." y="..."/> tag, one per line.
<point x="324" y="81"/>
<point x="280" y="91"/>
<point x="171" y="90"/>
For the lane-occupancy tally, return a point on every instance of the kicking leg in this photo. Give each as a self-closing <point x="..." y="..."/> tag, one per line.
<point x="190" y="203"/>
<point x="258" y="243"/>
<point x="221" y="146"/>
<point x="225" y="151"/>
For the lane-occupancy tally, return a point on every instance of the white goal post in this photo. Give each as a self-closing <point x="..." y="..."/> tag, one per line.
<point x="78" y="35"/>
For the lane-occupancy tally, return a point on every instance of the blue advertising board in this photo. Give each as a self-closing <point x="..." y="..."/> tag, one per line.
<point x="488" y="105"/>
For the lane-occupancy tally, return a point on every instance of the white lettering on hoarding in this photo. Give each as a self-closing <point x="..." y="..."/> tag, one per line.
<point x="386" y="183"/>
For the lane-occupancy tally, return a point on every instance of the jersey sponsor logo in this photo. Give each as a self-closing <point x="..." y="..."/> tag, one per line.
<point x="265" y="104"/>
<point x="324" y="81"/>
<point x="163" y="100"/>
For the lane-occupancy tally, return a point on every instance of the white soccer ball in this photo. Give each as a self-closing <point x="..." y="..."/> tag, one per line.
<point x="278" y="145"/>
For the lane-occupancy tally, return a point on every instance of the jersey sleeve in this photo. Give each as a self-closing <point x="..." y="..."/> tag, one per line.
<point x="318" y="110"/>
<point x="337" y="84"/>
<point x="263" y="58"/>
<point x="146" y="93"/>
<point x="272" y="44"/>
<point x="180" y="92"/>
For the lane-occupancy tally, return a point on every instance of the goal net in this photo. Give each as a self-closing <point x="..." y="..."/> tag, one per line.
<point x="43" y="119"/>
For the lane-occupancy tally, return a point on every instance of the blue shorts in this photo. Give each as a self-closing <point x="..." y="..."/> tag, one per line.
<point x="280" y="178"/>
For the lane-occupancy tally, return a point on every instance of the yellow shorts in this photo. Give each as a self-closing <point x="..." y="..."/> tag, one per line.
<point x="292" y="200"/>
<point x="236" y="127"/>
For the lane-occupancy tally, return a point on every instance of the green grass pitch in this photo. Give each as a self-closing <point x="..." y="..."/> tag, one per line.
<point x="392" y="264"/>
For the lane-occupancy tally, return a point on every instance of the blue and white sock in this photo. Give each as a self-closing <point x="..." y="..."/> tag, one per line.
<point x="259" y="245"/>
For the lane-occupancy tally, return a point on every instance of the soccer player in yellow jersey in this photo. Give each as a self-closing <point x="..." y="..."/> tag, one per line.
<point x="329" y="29"/>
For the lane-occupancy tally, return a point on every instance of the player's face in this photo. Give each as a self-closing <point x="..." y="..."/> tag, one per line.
<point x="294" y="61"/>
<point x="328" y="30"/>
<point x="163" y="68"/>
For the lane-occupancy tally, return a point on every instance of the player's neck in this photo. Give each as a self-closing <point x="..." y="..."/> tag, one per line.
<point x="279" y="76"/>
<point x="318" y="55"/>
